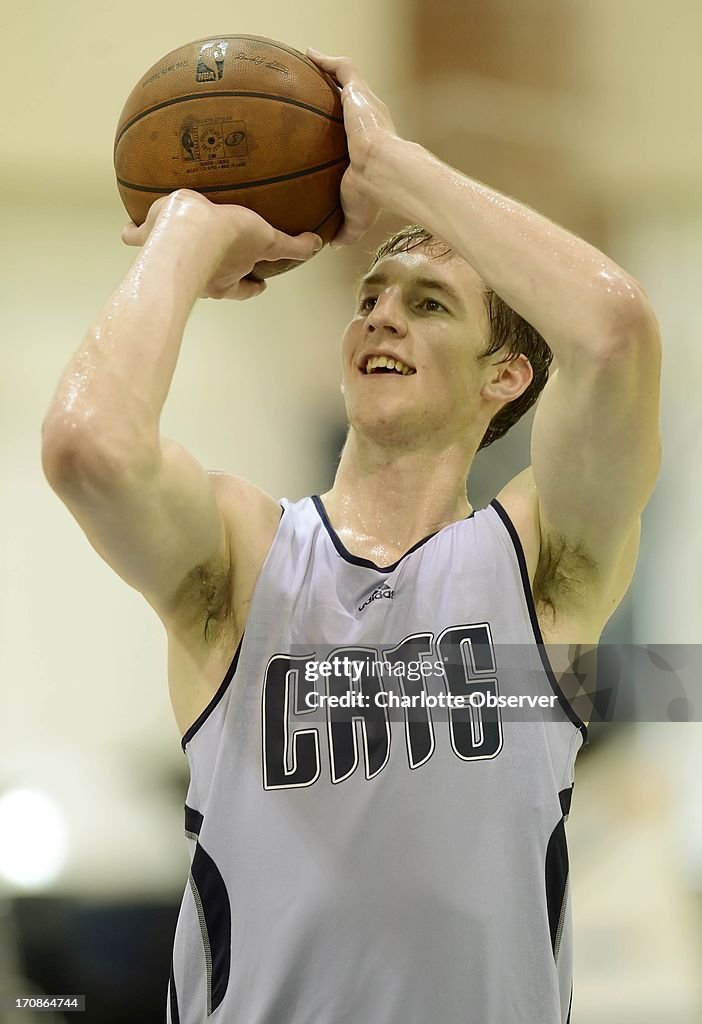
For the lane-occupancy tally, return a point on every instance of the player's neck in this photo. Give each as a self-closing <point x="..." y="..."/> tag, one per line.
<point x="389" y="500"/>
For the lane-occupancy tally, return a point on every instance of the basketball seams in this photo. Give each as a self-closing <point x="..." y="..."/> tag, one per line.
<point x="283" y="141"/>
<point x="219" y="94"/>
<point x="239" y="185"/>
<point x="305" y="61"/>
<point x="331" y="213"/>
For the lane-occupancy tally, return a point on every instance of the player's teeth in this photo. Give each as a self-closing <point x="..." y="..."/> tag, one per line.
<point x="375" y="362"/>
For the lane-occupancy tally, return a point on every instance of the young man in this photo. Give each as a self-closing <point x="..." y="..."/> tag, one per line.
<point x="350" y="863"/>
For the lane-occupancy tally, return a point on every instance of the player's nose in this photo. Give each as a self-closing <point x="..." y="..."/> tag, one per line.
<point x="387" y="315"/>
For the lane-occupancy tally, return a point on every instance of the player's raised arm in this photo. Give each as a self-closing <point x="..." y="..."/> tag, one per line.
<point x="146" y="505"/>
<point x="596" y="440"/>
<point x="595" y="444"/>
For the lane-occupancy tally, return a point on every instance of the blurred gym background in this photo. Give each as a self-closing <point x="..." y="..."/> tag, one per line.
<point x="589" y="113"/>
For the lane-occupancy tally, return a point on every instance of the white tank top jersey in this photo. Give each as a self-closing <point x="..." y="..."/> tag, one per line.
<point x="368" y="865"/>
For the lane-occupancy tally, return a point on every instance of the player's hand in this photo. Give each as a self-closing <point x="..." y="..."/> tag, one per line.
<point x="232" y="241"/>
<point x="368" y="126"/>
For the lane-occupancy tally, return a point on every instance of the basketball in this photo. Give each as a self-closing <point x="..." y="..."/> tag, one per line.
<point x="244" y="120"/>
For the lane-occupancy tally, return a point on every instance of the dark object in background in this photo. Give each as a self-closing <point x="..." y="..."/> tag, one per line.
<point x="116" y="954"/>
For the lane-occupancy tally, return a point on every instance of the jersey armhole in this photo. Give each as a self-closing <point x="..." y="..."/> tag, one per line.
<point x="536" y="628"/>
<point x="204" y="715"/>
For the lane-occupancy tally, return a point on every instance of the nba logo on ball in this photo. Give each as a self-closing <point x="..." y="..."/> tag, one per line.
<point x="210" y="61"/>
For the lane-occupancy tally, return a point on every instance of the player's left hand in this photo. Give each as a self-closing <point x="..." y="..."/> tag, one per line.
<point x="368" y="127"/>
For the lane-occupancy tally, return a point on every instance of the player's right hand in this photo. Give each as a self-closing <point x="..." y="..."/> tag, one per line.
<point x="231" y="239"/>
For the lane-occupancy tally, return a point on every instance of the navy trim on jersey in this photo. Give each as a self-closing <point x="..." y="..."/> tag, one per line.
<point x="200" y="720"/>
<point x="556" y="880"/>
<point x="175" y="1016"/>
<point x="565" y="796"/>
<point x="366" y="562"/>
<point x="193" y="820"/>
<point x="551" y="675"/>
<point x="214" y="913"/>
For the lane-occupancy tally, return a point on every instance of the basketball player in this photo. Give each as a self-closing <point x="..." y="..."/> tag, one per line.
<point x="351" y="865"/>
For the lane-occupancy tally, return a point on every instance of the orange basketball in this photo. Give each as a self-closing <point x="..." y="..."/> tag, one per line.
<point x="243" y="120"/>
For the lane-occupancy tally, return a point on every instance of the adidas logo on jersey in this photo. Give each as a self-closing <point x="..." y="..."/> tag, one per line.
<point x="382" y="591"/>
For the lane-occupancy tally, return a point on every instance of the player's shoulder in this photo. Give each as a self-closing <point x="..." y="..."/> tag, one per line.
<point x="244" y="506"/>
<point x="237" y="493"/>
<point x="251" y="517"/>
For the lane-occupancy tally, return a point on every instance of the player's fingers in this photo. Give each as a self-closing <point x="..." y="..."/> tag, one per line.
<point x="131" y="234"/>
<point x="233" y="287"/>
<point x="323" y="59"/>
<point x="359" y="214"/>
<point x="354" y="228"/>
<point x="246" y="289"/>
<point x="295" y="247"/>
<point x="342" y="68"/>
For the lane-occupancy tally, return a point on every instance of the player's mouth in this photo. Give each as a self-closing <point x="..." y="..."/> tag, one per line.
<point x="385" y="364"/>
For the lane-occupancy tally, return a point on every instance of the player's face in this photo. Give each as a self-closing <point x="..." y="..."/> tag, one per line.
<point x="428" y="314"/>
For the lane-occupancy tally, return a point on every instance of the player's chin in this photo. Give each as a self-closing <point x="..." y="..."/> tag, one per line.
<point x="382" y="393"/>
<point x="387" y="398"/>
<point x="382" y="418"/>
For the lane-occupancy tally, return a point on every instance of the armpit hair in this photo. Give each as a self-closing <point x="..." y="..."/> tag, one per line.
<point x="563" y="573"/>
<point x="204" y="598"/>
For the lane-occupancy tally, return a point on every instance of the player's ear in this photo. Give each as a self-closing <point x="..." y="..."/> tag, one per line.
<point x="509" y="379"/>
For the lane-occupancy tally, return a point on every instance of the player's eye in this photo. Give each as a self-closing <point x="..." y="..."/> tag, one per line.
<point x="367" y="303"/>
<point x="435" y="304"/>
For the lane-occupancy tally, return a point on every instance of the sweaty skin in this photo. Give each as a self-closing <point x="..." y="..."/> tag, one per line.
<point x="193" y="541"/>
